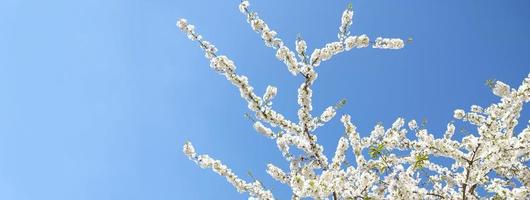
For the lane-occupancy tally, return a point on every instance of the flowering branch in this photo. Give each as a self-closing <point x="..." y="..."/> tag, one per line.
<point x="204" y="161"/>
<point x="494" y="148"/>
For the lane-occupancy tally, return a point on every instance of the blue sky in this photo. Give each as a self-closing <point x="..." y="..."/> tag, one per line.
<point x="97" y="97"/>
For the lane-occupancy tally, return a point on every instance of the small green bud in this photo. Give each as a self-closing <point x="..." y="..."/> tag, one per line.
<point x="491" y="83"/>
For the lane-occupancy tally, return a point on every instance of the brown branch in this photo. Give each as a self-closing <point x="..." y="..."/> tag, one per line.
<point x="436" y="195"/>
<point x="470" y="165"/>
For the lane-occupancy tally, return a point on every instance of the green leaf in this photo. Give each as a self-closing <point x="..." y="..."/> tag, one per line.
<point x="420" y="161"/>
<point x="376" y="151"/>
<point x="497" y="197"/>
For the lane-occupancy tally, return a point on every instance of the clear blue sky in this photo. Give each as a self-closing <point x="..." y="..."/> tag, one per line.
<point x="97" y="97"/>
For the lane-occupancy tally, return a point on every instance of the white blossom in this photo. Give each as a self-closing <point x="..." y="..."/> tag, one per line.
<point x="476" y="109"/>
<point x="243" y="6"/>
<point x="270" y="93"/>
<point x="188" y="29"/>
<point x="339" y="157"/>
<point x="301" y="48"/>
<point x="346" y="20"/>
<point x="459" y="114"/>
<point x="222" y="63"/>
<point x="501" y="89"/>
<point x="277" y="173"/>
<point x="182" y="23"/>
<point x="413" y="125"/>
<point x="260" y="128"/>
<point x="189" y="150"/>
<point x="328" y="114"/>
<point x="288" y="57"/>
<point x="450" y="131"/>
<point x="316" y="57"/>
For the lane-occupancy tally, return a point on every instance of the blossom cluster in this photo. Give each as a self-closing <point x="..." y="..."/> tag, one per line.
<point x="283" y="53"/>
<point x="388" y="43"/>
<point x="390" y="163"/>
<point x="270" y="93"/>
<point x="361" y="41"/>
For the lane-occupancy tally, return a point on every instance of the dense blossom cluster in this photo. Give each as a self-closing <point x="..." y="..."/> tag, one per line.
<point x="361" y="41"/>
<point x="390" y="163"/>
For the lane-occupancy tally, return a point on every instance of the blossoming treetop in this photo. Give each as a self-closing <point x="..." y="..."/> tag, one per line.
<point x="493" y="157"/>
